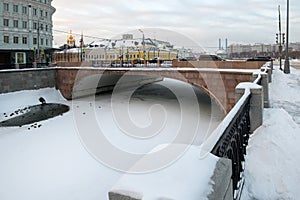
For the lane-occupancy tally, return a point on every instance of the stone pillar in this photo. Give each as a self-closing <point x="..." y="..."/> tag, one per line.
<point x="269" y="72"/>
<point x="222" y="188"/>
<point x="271" y="65"/>
<point x="158" y="62"/>
<point x="265" y="85"/>
<point x="256" y="102"/>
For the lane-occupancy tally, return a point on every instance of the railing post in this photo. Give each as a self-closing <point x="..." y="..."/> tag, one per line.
<point x="268" y="71"/>
<point x="265" y="84"/>
<point x="256" y="102"/>
<point x="271" y="65"/>
<point x="222" y="188"/>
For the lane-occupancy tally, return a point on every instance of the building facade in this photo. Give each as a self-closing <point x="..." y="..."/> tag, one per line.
<point x="25" y="32"/>
<point x="252" y="50"/>
<point x="126" y="50"/>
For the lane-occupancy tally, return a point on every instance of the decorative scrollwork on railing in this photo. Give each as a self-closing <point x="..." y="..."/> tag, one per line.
<point x="233" y="142"/>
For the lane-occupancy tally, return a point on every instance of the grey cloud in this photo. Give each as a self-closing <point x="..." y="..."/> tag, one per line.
<point x="244" y="21"/>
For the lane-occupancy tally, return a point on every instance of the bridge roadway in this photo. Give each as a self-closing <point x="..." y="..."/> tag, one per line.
<point x="219" y="84"/>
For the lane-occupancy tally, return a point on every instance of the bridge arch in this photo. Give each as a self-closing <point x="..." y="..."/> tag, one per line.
<point x="211" y="95"/>
<point x="218" y="84"/>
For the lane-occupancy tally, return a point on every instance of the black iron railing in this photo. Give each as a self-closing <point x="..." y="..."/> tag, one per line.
<point x="234" y="140"/>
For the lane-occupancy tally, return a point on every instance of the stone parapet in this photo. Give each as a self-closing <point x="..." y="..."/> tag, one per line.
<point x="26" y="79"/>
<point x="234" y="64"/>
<point x="222" y="187"/>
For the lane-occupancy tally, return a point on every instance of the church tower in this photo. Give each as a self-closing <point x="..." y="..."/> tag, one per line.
<point x="71" y="41"/>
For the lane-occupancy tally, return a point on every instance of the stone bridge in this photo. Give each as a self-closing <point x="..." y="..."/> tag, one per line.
<point x="219" y="84"/>
<point x="217" y="79"/>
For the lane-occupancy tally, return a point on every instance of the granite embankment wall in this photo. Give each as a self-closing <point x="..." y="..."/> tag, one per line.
<point x="26" y="79"/>
<point x="36" y="78"/>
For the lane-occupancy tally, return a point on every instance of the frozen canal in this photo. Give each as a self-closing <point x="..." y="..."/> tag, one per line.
<point x="59" y="158"/>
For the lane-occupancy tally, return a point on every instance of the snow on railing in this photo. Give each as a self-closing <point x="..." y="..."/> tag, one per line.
<point x="264" y="69"/>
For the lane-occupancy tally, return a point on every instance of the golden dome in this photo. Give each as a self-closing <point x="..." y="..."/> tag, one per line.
<point x="71" y="38"/>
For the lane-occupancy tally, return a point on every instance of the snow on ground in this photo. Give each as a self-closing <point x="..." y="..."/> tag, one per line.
<point x="48" y="162"/>
<point x="273" y="159"/>
<point x="285" y="92"/>
<point x="51" y="162"/>
<point x="172" y="184"/>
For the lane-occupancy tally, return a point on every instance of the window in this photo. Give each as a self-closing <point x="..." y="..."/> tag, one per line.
<point x="35" y="12"/>
<point x="16" y="8"/>
<point x="16" y="23"/>
<point x="46" y="27"/>
<point x="20" y="58"/>
<point x="24" y="10"/>
<point x="34" y="41"/>
<point x="47" y="42"/>
<point x="6" y="39"/>
<point x="5" y="6"/>
<point x="46" y="14"/>
<point x="6" y="22"/>
<point x="35" y="25"/>
<point x="24" y="24"/>
<point x="24" y="40"/>
<point x="16" y="39"/>
<point x="41" y="13"/>
<point x="41" y="26"/>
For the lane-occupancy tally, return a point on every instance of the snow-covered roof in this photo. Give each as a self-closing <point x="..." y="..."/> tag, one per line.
<point x="134" y="43"/>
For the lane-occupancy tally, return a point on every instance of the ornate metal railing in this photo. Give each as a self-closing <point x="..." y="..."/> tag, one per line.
<point x="233" y="142"/>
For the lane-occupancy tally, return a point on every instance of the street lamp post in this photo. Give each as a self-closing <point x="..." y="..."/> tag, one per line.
<point x="143" y="39"/>
<point x="38" y="41"/>
<point x="286" y="69"/>
<point x="38" y="38"/>
<point x="144" y="51"/>
<point x="280" y="43"/>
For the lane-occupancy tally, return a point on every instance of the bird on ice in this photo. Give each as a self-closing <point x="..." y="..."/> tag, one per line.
<point x="42" y="100"/>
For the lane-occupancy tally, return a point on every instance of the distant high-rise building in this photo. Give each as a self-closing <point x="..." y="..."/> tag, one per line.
<point x="25" y="32"/>
<point x="127" y="36"/>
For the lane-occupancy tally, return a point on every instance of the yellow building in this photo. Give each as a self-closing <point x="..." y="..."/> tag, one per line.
<point x="125" y="50"/>
<point x="128" y="54"/>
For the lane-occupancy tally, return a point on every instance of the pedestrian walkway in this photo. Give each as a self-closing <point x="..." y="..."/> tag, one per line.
<point x="285" y="92"/>
<point x="271" y="166"/>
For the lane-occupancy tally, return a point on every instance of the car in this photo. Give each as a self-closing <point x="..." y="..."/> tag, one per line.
<point x="188" y="59"/>
<point x="211" y="57"/>
<point x="260" y="58"/>
<point x="138" y="61"/>
<point x="155" y="60"/>
<point x="183" y="59"/>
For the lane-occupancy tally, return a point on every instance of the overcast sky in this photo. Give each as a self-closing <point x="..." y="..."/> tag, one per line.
<point x="204" y="22"/>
